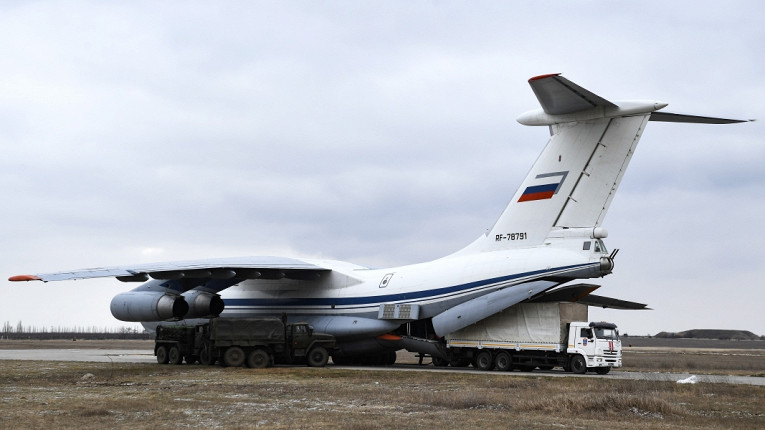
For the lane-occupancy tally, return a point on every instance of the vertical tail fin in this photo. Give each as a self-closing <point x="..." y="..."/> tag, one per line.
<point x="574" y="180"/>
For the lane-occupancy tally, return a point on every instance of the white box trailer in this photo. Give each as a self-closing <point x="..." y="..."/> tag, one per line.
<point x="537" y="335"/>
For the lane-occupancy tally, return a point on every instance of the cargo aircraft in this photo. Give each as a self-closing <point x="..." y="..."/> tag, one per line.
<point x="549" y="235"/>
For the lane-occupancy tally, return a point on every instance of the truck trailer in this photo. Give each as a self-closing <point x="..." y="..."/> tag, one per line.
<point x="233" y="342"/>
<point x="536" y="335"/>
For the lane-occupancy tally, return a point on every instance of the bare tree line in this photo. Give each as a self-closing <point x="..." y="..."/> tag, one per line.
<point x="21" y="331"/>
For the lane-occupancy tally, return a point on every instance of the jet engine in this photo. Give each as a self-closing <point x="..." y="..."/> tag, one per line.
<point x="148" y="306"/>
<point x="203" y="304"/>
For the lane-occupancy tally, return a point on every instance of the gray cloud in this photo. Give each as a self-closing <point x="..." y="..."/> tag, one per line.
<point x="381" y="134"/>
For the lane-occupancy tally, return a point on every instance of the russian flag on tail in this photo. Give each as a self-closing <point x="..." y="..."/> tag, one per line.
<point x="543" y="191"/>
<point x="538" y="192"/>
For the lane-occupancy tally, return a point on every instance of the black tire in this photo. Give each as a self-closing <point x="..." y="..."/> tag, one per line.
<point x="390" y="358"/>
<point x="174" y="355"/>
<point x="483" y="360"/>
<point x="503" y="362"/>
<point x="602" y="370"/>
<point x="233" y="357"/>
<point x="317" y="356"/>
<point x="162" y="354"/>
<point x="578" y="364"/>
<point x="258" y="359"/>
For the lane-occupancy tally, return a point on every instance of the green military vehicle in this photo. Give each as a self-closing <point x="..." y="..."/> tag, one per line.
<point x="233" y="342"/>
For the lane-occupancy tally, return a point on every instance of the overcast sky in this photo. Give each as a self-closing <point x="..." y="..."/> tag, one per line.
<point x="381" y="133"/>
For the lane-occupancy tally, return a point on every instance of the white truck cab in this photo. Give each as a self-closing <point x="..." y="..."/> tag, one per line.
<point x="594" y="346"/>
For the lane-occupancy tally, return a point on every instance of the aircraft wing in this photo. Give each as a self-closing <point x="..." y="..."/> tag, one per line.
<point x="223" y="268"/>
<point x="580" y="293"/>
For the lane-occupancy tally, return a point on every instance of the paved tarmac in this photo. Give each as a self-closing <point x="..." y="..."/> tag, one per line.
<point x="94" y="355"/>
<point x="147" y="356"/>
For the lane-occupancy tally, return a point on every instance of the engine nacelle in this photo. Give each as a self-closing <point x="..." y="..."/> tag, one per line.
<point x="138" y="306"/>
<point x="203" y="304"/>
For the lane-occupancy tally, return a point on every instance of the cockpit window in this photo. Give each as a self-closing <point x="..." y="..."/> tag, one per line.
<point x="606" y="333"/>
<point x="600" y="247"/>
<point x="586" y="246"/>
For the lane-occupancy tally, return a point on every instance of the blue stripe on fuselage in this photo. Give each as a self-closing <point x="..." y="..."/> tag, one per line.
<point x="400" y="297"/>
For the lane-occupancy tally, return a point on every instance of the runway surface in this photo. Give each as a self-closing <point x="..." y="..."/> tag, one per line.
<point x="146" y="356"/>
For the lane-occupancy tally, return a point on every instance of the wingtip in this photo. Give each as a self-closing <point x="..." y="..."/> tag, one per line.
<point x="19" y="278"/>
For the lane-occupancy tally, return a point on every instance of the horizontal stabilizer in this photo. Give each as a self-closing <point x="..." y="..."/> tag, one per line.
<point x="611" y="303"/>
<point x="694" y="119"/>
<point x="559" y="96"/>
<point x="580" y="293"/>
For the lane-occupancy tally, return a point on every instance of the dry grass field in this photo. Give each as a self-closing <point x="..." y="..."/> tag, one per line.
<point x="38" y="394"/>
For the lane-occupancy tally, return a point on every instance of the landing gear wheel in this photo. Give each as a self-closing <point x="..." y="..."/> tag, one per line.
<point x="162" y="355"/>
<point x="578" y="365"/>
<point x="503" y="362"/>
<point x="602" y="370"/>
<point x="483" y="361"/>
<point x="233" y="357"/>
<point x="174" y="355"/>
<point x="258" y="359"/>
<point x="318" y="356"/>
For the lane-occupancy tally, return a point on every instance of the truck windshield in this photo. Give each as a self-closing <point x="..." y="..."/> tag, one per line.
<point x="606" y="333"/>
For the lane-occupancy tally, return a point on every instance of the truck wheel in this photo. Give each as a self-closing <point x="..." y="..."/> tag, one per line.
<point x="258" y="359"/>
<point x="483" y="361"/>
<point x="503" y="362"/>
<point x="578" y="364"/>
<point x="162" y="354"/>
<point x="233" y="357"/>
<point x="174" y="355"/>
<point x="317" y="357"/>
<point x="602" y="370"/>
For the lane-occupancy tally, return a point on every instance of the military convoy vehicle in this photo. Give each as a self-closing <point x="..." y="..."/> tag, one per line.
<point x="258" y="343"/>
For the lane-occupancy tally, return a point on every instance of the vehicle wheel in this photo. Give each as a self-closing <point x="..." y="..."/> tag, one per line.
<point x="233" y="357"/>
<point x="578" y="364"/>
<point x="390" y="358"/>
<point x="503" y="362"/>
<point x="602" y="370"/>
<point x="174" y="355"/>
<point x="162" y="355"/>
<point x="258" y="359"/>
<point x="483" y="361"/>
<point x="318" y="356"/>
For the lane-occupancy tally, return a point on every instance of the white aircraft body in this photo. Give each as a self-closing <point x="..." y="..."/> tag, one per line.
<point x="549" y="234"/>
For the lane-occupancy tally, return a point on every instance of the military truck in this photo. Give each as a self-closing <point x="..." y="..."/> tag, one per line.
<point x="233" y="342"/>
